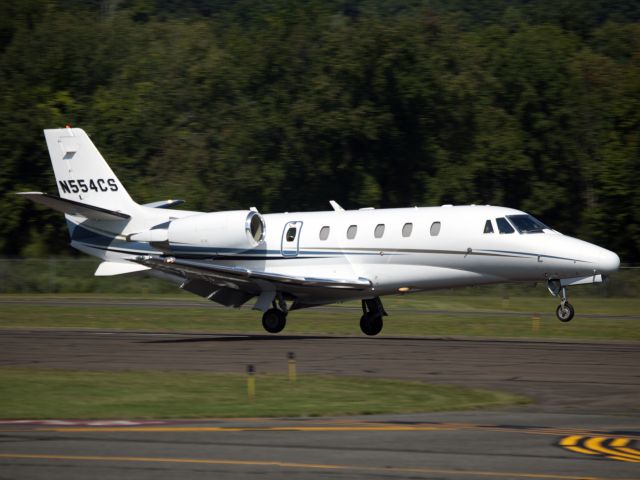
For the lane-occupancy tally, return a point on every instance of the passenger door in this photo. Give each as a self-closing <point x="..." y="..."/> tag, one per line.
<point x="291" y="239"/>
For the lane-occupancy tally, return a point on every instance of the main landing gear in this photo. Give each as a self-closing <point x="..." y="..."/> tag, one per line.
<point x="371" y="320"/>
<point x="275" y="319"/>
<point x="565" y="310"/>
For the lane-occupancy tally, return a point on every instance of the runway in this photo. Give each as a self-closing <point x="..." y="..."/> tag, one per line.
<point x="451" y="446"/>
<point x="587" y="376"/>
<point x="584" y="421"/>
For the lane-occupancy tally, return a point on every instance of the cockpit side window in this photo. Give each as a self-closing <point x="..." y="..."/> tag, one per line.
<point x="527" y="224"/>
<point x="488" y="227"/>
<point x="504" y="226"/>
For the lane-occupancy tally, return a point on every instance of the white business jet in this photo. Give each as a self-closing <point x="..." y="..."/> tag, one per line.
<point x="288" y="261"/>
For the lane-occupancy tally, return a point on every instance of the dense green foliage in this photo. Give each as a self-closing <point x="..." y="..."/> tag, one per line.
<point x="286" y="104"/>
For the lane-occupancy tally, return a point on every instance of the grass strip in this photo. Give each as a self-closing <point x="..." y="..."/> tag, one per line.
<point x="41" y="394"/>
<point x="458" y="300"/>
<point x="468" y="320"/>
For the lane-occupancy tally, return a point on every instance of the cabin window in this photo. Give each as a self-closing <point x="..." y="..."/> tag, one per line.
<point x="407" y="229"/>
<point x="504" y="226"/>
<point x="379" y="231"/>
<point x="435" y="229"/>
<point x="291" y="234"/>
<point x="351" y="232"/>
<point x="488" y="227"/>
<point x="324" y="233"/>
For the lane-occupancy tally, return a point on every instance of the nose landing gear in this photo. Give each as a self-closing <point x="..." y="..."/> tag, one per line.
<point x="565" y="310"/>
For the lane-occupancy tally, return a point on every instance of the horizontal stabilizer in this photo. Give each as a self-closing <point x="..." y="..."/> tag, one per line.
<point x="107" y="269"/>
<point x="73" y="207"/>
<point x="164" y="204"/>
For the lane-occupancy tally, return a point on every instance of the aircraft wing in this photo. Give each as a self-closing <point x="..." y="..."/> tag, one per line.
<point x="239" y="275"/>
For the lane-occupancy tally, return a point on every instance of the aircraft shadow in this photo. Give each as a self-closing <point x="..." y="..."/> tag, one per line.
<point x="246" y="338"/>
<point x="286" y="338"/>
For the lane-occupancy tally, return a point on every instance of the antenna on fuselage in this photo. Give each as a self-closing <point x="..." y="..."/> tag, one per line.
<point x="336" y="206"/>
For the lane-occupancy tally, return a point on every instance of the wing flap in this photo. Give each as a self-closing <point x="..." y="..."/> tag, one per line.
<point x="190" y="268"/>
<point x="72" y="207"/>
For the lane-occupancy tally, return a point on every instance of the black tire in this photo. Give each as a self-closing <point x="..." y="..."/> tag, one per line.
<point x="371" y="324"/>
<point x="565" y="314"/>
<point x="274" y="320"/>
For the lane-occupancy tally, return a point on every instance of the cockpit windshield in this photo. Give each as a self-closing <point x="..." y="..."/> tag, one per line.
<point x="527" y="224"/>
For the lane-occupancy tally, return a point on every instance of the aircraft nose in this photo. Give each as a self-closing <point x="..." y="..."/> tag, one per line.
<point x="608" y="262"/>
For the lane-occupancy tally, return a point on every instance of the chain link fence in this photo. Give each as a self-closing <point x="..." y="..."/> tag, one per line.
<point x="71" y="275"/>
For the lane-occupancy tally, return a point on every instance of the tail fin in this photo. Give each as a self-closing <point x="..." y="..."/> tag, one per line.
<point x="82" y="174"/>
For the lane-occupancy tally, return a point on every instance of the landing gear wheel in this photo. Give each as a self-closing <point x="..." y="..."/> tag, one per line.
<point x="371" y="323"/>
<point x="565" y="312"/>
<point x="274" y="320"/>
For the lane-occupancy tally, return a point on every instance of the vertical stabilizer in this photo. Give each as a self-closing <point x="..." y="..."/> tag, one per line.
<point x="82" y="174"/>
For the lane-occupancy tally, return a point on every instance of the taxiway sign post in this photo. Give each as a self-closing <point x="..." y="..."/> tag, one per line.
<point x="251" y="382"/>
<point x="292" y="367"/>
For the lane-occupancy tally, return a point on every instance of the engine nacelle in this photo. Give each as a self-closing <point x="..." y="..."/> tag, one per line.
<point x="238" y="229"/>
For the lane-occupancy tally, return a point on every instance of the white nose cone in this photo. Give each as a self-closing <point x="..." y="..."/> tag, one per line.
<point x="608" y="262"/>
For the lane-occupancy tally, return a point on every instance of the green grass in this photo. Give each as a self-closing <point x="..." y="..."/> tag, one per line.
<point x="38" y="394"/>
<point x="408" y="316"/>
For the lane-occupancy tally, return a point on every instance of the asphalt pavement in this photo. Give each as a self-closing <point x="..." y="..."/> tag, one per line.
<point x="584" y="422"/>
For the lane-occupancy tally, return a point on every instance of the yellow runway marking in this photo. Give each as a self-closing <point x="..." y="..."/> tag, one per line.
<point x="593" y="443"/>
<point x="334" y="426"/>
<point x="599" y="444"/>
<point x="388" y="428"/>
<point x="570" y="443"/>
<point x="614" y="448"/>
<point x="304" y="466"/>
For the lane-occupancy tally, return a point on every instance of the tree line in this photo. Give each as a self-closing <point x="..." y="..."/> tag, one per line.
<point x="284" y="104"/>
